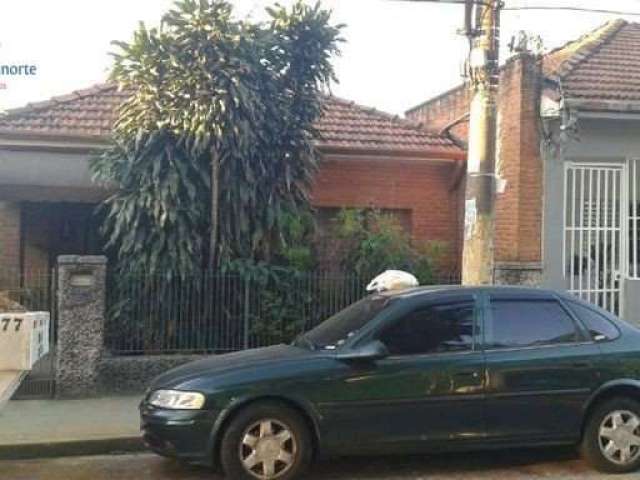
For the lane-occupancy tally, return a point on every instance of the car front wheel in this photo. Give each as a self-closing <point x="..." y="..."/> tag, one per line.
<point x="266" y="441"/>
<point x="611" y="439"/>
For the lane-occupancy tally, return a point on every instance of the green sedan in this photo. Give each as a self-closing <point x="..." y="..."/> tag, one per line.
<point x="419" y="370"/>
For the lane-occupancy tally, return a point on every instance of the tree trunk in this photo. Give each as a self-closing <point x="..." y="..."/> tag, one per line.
<point x="215" y="197"/>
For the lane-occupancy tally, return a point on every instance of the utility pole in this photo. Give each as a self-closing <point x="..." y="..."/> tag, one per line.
<point x="482" y="27"/>
<point x="479" y="223"/>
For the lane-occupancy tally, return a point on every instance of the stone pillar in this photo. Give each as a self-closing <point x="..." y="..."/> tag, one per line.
<point x="80" y="332"/>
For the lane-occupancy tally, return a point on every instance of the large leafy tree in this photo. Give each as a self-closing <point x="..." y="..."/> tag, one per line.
<point x="213" y="149"/>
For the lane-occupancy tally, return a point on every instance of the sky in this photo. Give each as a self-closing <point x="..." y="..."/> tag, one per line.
<point x="397" y="54"/>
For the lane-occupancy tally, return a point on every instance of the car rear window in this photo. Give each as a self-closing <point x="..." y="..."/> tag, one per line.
<point x="600" y="327"/>
<point x="517" y="323"/>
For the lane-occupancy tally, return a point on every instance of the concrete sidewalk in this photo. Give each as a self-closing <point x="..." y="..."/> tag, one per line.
<point x="44" y="428"/>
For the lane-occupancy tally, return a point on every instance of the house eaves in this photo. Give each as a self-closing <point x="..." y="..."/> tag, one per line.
<point x="83" y="120"/>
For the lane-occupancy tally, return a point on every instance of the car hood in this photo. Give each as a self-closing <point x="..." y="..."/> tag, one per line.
<point x="230" y="362"/>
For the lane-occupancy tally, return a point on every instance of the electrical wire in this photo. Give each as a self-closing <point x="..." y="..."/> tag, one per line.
<point x="452" y="2"/>
<point x="570" y="9"/>
<point x="531" y="7"/>
<point x="462" y="2"/>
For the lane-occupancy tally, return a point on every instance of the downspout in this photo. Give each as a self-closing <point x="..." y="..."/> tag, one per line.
<point x="567" y="124"/>
<point x="459" y="173"/>
<point x="446" y="130"/>
<point x="558" y="126"/>
<point x="460" y="169"/>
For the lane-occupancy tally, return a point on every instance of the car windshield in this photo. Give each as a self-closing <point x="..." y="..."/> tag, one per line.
<point x="334" y="331"/>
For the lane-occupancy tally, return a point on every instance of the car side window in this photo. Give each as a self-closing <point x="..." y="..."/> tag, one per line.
<point x="518" y="323"/>
<point x="600" y="328"/>
<point x="435" y="328"/>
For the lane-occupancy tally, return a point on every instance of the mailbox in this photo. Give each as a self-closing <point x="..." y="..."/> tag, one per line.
<point x="24" y="339"/>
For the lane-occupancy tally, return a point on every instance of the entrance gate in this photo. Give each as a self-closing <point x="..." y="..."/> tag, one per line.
<point x="595" y="224"/>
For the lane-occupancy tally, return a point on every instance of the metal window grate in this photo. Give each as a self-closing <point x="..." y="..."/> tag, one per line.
<point x="594" y="226"/>
<point x="634" y="219"/>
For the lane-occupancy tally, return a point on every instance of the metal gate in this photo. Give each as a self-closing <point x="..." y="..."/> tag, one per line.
<point x="634" y="219"/>
<point x="594" y="231"/>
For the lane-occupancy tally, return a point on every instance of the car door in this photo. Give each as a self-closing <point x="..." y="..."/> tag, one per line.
<point x="429" y="389"/>
<point x="541" y="367"/>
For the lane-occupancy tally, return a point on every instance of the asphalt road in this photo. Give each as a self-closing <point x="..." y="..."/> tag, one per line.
<point x="547" y="464"/>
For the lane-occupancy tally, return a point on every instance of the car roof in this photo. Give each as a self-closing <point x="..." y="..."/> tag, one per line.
<point x="449" y="289"/>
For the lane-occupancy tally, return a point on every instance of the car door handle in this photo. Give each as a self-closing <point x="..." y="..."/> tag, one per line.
<point x="472" y="374"/>
<point x="581" y="365"/>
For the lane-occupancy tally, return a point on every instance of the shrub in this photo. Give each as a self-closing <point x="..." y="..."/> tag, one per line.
<point x="371" y="241"/>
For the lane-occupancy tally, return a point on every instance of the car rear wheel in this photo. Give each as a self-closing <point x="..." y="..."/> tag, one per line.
<point x="266" y="441"/>
<point x="611" y="441"/>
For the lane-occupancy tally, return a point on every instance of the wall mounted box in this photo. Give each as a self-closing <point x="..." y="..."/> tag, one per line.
<point x="24" y="339"/>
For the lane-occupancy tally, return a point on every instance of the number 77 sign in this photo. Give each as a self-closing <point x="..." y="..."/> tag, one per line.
<point x="24" y="339"/>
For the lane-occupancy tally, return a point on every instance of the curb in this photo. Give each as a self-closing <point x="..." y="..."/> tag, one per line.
<point x="73" y="448"/>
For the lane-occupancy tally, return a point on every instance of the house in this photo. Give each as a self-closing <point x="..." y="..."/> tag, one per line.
<point x="569" y="151"/>
<point x="368" y="158"/>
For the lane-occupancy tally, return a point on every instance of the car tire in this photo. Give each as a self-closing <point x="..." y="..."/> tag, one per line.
<point x="607" y="434"/>
<point x="248" y="440"/>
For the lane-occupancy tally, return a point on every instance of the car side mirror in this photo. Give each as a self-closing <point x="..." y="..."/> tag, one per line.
<point x="369" y="352"/>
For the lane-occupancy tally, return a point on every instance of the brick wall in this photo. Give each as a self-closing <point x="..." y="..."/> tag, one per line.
<point x="419" y="186"/>
<point x="444" y="109"/>
<point x="519" y="208"/>
<point x="9" y="237"/>
<point x="419" y="190"/>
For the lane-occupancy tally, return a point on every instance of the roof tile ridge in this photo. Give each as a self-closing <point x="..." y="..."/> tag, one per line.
<point x="34" y="107"/>
<point x="401" y="121"/>
<point x="587" y="46"/>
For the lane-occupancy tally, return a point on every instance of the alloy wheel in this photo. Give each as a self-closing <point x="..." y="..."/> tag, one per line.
<point x="619" y="437"/>
<point x="268" y="449"/>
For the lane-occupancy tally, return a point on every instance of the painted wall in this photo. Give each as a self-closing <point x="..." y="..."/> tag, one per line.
<point x="601" y="141"/>
<point x="44" y="168"/>
<point x="46" y="176"/>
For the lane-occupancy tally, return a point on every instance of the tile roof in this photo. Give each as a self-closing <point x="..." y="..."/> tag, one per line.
<point x="601" y="68"/>
<point x="348" y="125"/>
<point x="87" y="113"/>
<point x="90" y="113"/>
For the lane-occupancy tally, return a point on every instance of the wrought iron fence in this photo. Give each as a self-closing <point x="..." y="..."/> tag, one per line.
<point x="213" y="313"/>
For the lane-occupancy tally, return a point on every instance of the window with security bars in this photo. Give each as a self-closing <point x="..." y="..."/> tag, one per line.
<point x="634" y="219"/>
